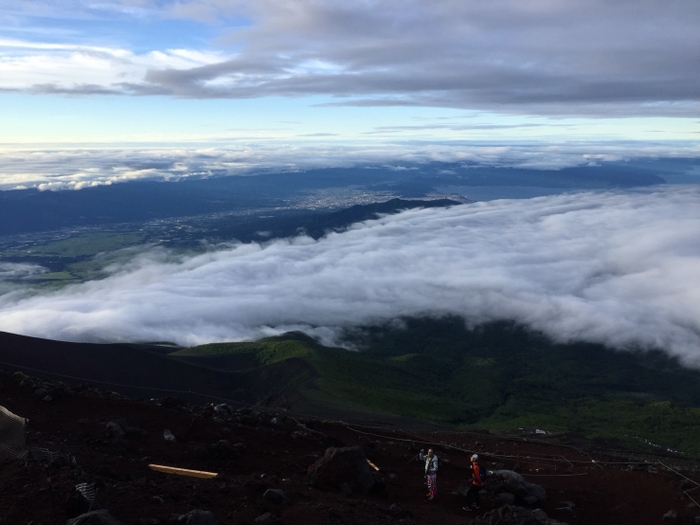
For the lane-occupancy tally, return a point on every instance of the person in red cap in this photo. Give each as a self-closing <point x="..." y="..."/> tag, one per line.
<point x="476" y="484"/>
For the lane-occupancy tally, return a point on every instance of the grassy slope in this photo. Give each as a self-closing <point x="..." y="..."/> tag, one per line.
<point x="498" y="377"/>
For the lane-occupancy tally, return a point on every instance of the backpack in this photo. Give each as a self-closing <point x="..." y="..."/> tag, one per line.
<point x="483" y="475"/>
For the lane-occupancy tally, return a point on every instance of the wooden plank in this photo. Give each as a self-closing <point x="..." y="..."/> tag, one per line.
<point x="183" y="471"/>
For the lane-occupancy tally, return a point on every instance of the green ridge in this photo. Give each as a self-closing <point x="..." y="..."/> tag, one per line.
<point x="498" y="377"/>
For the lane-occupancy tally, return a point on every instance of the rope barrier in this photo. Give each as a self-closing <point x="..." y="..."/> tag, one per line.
<point x="387" y="427"/>
<point x="681" y="475"/>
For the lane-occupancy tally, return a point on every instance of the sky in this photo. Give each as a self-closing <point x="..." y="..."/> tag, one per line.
<point x="310" y="72"/>
<point x="619" y="268"/>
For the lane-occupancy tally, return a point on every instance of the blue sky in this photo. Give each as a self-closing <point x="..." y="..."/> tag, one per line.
<point x="309" y="72"/>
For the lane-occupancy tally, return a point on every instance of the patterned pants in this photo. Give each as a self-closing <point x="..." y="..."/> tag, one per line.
<point x="432" y="484"/>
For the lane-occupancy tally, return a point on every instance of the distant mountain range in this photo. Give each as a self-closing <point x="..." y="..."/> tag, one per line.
<point x="24" y="211"/>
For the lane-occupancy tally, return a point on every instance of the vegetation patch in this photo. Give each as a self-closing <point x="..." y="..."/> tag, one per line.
<point x="497" y="376"/>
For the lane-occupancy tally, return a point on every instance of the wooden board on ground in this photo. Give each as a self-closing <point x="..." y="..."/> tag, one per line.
<point x="183" y="471"/>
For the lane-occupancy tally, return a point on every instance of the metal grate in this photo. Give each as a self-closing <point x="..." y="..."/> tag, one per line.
<point x="87" y="491"/>
<point x="13" y="443"/>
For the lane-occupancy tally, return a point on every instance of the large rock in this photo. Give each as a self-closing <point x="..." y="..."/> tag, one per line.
<point x="341" y="465"/>
<point x="275" y="496"/>
<point x="515" y="484"/>
<point x="96" y="517"/>
<point x="198" y="517"/>
<point x="512" y="515"/>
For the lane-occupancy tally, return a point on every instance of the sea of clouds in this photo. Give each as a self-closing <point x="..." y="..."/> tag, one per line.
<point x="617" y="268"/>
<point x="76" y="168"/>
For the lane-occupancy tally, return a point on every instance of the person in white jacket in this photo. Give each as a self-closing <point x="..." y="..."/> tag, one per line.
<point x="431" y="468"/>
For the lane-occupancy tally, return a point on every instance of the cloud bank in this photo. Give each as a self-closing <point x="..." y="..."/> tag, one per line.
<point x="616" y="268"/>
<point x="78" y="168"/>
<point x="590" y="57"/>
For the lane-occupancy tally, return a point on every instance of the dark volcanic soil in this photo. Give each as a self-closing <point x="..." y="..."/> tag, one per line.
<point x="277" y="455"/>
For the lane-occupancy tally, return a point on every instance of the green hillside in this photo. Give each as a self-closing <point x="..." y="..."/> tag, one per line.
<point x="497" y="376"/>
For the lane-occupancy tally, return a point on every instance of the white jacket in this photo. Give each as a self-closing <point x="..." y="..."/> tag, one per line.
<point x="431" y="464"/>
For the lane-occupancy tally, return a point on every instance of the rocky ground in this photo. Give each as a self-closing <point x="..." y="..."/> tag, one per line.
<point x="263" y="460"/>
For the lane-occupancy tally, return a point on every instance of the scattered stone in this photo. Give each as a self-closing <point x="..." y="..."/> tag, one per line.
<point x="265" y="518"/>
<point x="275" y="496"/>
<point x="240" y="448"/>
<point x="168" y="436"/>
<point x="198" y="517"/>
<point x="513" y="515"/>
<point x="670" y="515"/>
<point x="396" y="512"/>
<point x="114" y="431"/>
<point x="223" y="410"/>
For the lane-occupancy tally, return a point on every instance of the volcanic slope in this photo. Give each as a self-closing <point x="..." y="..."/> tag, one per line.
<point x="432" y="372"/>
<point x="253" y="451"/>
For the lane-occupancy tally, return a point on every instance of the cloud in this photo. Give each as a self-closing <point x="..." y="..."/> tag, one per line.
<point x="616" y="268"/>
<point x="9" y="271"/>
<point x="73" y="169"/>
<point x="12" y="275"/>
<point x="39" y="67"/>
<point x="565" y="57"/>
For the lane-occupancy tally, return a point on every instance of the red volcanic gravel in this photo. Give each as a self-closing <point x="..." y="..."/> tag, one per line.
<point x="276" y="454"/>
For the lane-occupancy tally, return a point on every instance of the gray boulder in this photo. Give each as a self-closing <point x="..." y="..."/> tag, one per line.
<point x="198" y="517"/>
<point x="343" y="465"/>
<point x="114" y="431"/>
<point x="275" y="496"/>
<point x="515" y="484"/>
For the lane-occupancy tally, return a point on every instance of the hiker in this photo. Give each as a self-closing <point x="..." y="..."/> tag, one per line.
<point x="431" y="468"/>
<point x="476" y="484"/>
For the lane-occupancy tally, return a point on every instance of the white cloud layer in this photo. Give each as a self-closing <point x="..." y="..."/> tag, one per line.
<point x="74" y="169"/>
<point x="84" y="69"/>
<point x="592" y="57"/>
<point x="616" y="268"/>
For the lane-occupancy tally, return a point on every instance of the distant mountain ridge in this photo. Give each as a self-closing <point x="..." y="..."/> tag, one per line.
<point x="495" y="376"/>
<point x="24" y="211"/>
